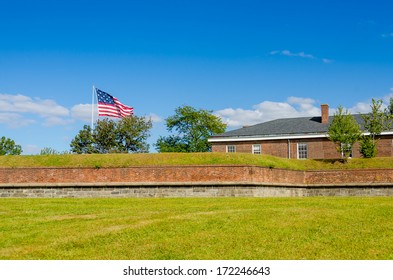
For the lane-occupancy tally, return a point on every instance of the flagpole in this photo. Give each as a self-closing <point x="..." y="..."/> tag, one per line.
<point x="92" y="108"/>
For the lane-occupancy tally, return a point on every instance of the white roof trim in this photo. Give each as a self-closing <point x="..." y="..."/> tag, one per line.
<point x="280" y="137"/>
<point x="250" y="138"/>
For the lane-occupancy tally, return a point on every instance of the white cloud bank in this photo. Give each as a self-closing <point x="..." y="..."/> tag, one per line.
<point x="291" y="108"/>
<point x="19" y="110"/>
<point x="24" y="104"/>
<point x="14" y="120"/>
<point x="269" y="110"/>
<point x="83" y="112"/>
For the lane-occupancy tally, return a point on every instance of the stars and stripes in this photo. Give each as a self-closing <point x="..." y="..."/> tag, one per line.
<point x="111" y="107"/>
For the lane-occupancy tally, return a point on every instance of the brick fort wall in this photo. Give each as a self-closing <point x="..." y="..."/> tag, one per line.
<point x="173" y="181"/>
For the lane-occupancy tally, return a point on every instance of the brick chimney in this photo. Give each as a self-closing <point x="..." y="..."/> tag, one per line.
<point x="324" y="113"/>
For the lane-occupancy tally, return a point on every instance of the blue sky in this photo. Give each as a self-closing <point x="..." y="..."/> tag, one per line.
<point x="247" y="61"/>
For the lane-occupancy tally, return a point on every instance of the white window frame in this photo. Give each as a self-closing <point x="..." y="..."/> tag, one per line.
<point x="231" y="148"/>
<point x="301" y="153"/>
<point x="349" y="147"/>
<point x="257" y="149"/>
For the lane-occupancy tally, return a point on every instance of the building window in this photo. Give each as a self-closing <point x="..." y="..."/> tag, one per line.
<point x="231" y="149"/>
<point x="302" y="151"/>
<point x="346" y="149"/>
<point x="256" y="149"/>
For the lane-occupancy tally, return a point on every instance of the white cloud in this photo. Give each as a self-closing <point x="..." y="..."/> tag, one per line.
<point x="56" y="121"/>
<point x="360" y="107"/>
<point x="293" y="107"/>
<point x="19" y="107"/>
<point x="154" y="118"/>
<point x="24" y="104"/>
<point x="365" y="107"/>
<point x="300" y="100"/>
<point x="239" y="117"/>
<point x="289" y="53"/>
<point x="300" y="54"/>
<point x="14" y="120"/>
<point x="83" y="112"/>
<point x="20" y="110"/>
<point x="269" y="110"/>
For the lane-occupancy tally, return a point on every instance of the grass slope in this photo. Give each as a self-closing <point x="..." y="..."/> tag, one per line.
<point x="124" y="160"/>
<point x="191" y="228"/>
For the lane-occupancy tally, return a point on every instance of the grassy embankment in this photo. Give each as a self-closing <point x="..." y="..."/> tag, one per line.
<point x="124" y="160"/>
<point x="192" y="228"/>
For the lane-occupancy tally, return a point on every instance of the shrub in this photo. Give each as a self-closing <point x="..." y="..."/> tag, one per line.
<point x="368" y="147"/>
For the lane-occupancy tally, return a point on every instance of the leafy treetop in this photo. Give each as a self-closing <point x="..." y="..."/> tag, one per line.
<point x="191" y="128"/>
<point x="128" y="135"/>
<point x="8" y="147"/>
<point x="344" y="131"/>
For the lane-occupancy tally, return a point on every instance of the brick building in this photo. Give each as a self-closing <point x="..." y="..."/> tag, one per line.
<point x="297" y="138"/>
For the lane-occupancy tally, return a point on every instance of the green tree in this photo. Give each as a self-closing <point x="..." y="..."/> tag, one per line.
<point x="344" y="131"/>
<point x="375" y="122"/>
<point x="171" y="143"/>
<point x="389" y="114"/>
<point x="83" y="143"/>
<point x="368" y="147"/>
<point x="132" y="134"/>
<point x="8" y="147"/>
<point x="128" y="135"/>
<point x="389" y="109"/>
<point x="104" y="136"/>
<point x="192" y="129"/>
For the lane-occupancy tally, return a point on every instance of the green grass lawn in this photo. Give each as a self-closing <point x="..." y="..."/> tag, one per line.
<point x="160" y="159"/>
<point x="197" y="228"/>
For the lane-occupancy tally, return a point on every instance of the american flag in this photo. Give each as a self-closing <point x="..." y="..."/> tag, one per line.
<point x="111" y="107"/>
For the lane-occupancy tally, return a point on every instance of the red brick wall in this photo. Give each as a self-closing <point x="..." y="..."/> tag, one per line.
<point x="353" y="177"/>
<point x="385" y="146"/>
<point x="189" y="175"/>
<point x="318" y="148"/>
<point x="277" y="148"/>
<point x="169" y="174"/>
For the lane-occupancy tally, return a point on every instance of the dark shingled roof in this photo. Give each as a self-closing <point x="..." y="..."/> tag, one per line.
<point x="284" y="127"/>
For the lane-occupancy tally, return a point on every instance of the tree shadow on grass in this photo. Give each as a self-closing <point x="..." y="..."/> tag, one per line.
<point x="334" y="161"/>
